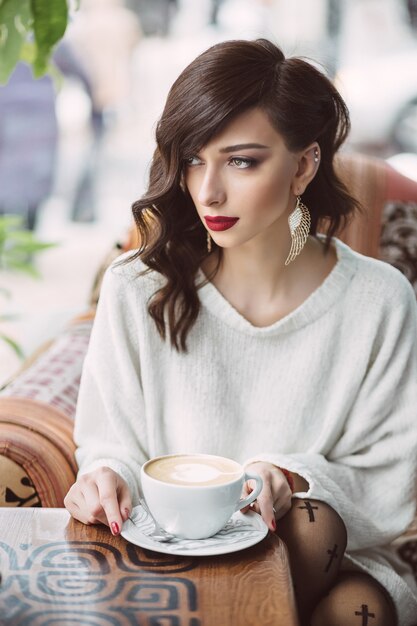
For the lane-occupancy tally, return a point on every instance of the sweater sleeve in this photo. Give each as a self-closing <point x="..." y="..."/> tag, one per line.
<point x="110" y="418"/>
<point x="369" y="475"/>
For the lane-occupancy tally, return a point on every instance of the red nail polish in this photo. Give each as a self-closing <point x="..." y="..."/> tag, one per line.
<point x="114" y="528"/>
<point x="274" y="524"/>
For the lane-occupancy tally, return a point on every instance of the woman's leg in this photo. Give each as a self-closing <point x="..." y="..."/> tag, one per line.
<point x="315" y="536"/>
<point x="355" y="600"/>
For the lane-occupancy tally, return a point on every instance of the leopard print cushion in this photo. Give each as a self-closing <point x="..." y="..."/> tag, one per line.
<point x="408" y="553"/>
<point x="398" y="244"/>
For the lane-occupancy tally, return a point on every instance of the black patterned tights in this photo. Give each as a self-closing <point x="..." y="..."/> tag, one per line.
<point x="315" y="536"/>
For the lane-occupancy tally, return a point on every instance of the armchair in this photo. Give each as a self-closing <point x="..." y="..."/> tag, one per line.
<point x="37" y="407"/>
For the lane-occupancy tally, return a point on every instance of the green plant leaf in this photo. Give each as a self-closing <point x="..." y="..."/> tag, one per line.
<point x="15" y="22"/>
<point x="15" y="346"/>
<point x="22" y="266"/>
<point x="29" y="247"/>
<point x="17" y="246"/>
<point x="18" y="237"/>
<point x="8" y="221"/>
<point x="28" y="52"/>
<point x="50" y="19"/>
<point x="26" y="238"/>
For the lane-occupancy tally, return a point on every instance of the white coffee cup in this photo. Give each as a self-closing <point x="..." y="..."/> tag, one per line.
<point x="193" y="496"/>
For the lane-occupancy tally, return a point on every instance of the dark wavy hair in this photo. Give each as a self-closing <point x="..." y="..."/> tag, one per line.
<point x="224" y="81"/>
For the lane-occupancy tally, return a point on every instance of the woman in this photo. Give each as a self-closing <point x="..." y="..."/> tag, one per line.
<point x="236" y="330"/>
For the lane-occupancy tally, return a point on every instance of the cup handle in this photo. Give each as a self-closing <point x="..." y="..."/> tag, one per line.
<point x="255" y="493"/>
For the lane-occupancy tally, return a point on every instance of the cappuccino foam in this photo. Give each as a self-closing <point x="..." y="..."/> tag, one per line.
<point x="194" y="470"/>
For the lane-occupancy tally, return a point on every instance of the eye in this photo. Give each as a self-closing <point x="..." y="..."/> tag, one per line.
<point x="191" y="161"/>
<point x="242" y="163"/>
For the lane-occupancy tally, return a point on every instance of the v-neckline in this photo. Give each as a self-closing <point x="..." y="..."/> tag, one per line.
<point x="310" y="309"/>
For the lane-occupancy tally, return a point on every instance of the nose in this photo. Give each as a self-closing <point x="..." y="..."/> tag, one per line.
<point x="211" y="191"/>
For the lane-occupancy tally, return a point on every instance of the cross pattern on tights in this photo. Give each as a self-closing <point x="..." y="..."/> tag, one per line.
<point x="364" y="612"/>
<point x="308" y="506"/>
<point x="333" y="555"/>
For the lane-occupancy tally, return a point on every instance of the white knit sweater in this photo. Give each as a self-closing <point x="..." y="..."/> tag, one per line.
<point x="329" y="392"/>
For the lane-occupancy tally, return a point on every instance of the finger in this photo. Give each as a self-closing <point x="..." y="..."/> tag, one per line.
<point x="125" y="500"/>
<point x="247" y="488"/>
<point x="265" y="505"/>
<point x="246" y="491"/>
<point x="280" y="484"/>
<point x="76" y="504"/>
<point x="91" y="504"/>
<point x="72" y="507"/>
<point x="264" y="502"/>
<point x="282" y="506"/>
<point x="80" y="512"/>
<point x="257" y="509"/>
<point x="281" y="497"/>
<point x="108" y="497"/>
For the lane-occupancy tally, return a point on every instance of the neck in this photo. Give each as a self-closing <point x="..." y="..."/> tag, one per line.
<point x="262" y="288"/>
<point x="257" y="268"/>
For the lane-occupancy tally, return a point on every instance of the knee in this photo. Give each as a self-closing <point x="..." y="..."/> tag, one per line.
<point x="315" y="536"/>
<point x="315" y="524"/>
<point x="355" y="599"/>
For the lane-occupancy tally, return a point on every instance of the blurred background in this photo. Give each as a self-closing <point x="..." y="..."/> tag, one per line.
<point x="75" y="155"/>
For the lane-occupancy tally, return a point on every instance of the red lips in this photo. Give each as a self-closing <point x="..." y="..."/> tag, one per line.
<point x="220" y="222"/>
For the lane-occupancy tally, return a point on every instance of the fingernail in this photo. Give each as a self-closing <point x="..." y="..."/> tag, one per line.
<point x="274" y="524"/>
<point x="114" y="528"/>
<point x="127" y="514"/>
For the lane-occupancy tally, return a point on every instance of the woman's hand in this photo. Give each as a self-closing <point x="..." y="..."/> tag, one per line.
<point x="101" y="496"/>
<point x="275" y="498"/>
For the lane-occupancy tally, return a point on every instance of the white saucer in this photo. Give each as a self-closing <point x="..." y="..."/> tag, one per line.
<point x="241" y="531"/>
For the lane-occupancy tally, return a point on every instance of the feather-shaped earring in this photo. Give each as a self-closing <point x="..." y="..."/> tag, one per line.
<point x="208" y="242"/>
<point x="299" y="222"/>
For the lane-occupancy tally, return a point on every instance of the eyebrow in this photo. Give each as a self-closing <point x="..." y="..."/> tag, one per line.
<point x="243" y="146"/>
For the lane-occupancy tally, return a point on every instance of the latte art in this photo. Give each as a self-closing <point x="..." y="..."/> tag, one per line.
<point x="194" y="470"/>
<point x="192" y="473"/>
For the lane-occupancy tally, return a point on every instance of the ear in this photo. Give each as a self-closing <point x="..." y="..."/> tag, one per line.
<point x="308" y="164"/>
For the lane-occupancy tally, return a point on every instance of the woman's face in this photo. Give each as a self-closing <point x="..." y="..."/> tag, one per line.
<point x="242" y="181"/>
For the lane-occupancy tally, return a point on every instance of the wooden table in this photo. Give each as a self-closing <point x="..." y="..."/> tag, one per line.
<point x="56" y="571"/>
